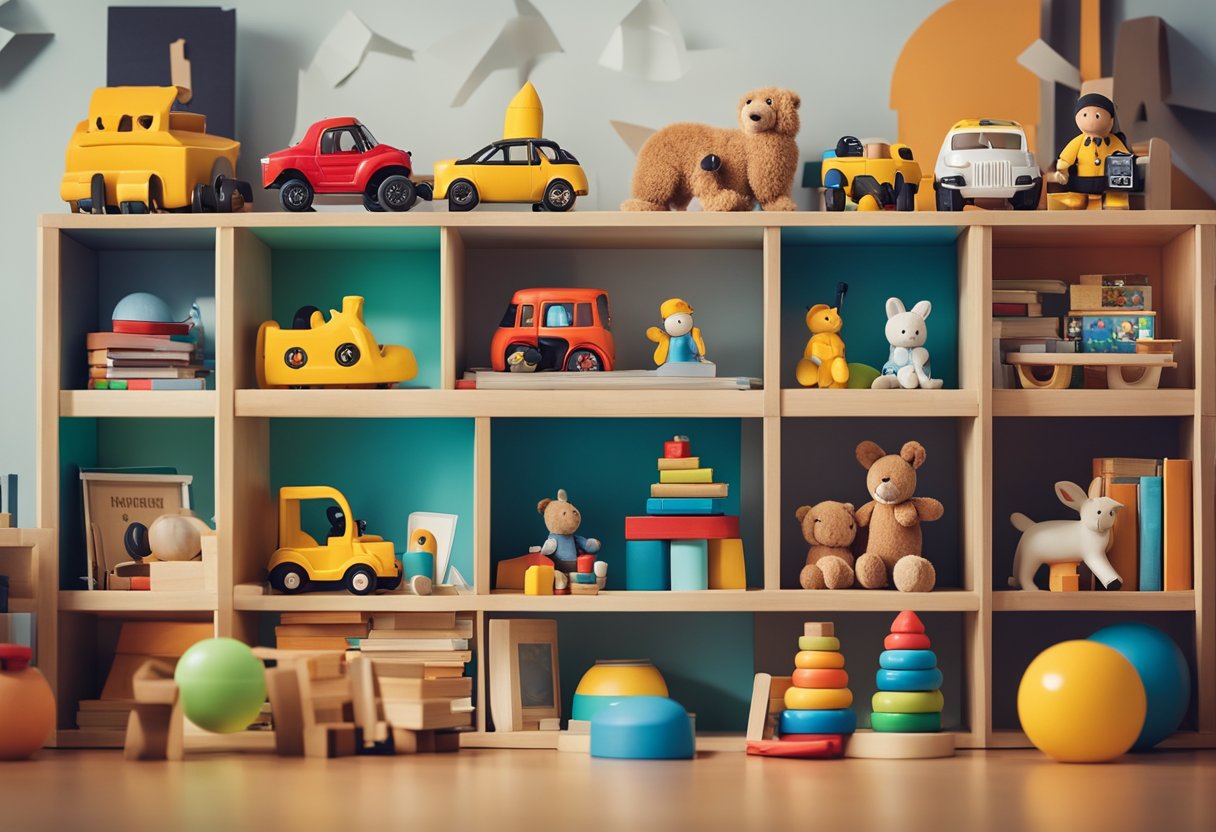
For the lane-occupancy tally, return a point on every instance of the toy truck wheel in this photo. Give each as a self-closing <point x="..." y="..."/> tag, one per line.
<point x="833" y="199"/>
<point x="905" y="197"/>
<point x="132" y="207"/>
<point x="462" y="196"/>
<point x="296" y="195"/>
<point x="370" y="203"/>
<point x="288" y="578"/>
<point x="948" y="199"/>
<point x="397" y="193"/>
<point x="359" y="580"/>
<point x="559" y="196"/>
<point x="202" y="200"/>
<point x="583" y="361"/>
<point x="97" y="193"/>
<point x="389" y="584"/>
<point x="1028" y="199"/>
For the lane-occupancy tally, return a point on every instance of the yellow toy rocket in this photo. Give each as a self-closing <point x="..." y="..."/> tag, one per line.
<point x="525" y="117"/>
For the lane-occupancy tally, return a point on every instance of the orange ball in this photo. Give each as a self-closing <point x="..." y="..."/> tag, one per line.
<point x="27" y="707"/>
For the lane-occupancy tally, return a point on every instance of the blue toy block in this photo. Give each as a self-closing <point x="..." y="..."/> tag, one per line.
<point x="582" y="577"/>
<point x="907" y="659"/>
<point x="648" y="565"/>
<point x="689" y="564"/>
<point x="909" y="680"/>
<point x="842" y="721"/>
<point x="684" y="505"/>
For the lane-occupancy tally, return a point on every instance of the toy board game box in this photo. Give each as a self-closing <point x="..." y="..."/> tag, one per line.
<point x="1102" y="331"/>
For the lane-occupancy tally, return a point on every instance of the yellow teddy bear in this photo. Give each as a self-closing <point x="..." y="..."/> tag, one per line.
<point x="823" y="365"/>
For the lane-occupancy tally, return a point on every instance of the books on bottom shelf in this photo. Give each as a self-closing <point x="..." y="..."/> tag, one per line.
<point x="319" y="630"/>
<point x="125" y="361"/>
<point x="421" y="689"/>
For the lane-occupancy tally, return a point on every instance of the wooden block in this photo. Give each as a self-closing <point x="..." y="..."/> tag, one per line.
<point x="584" y="589"/>
<point x="687" y="475"/>
<point x="677" y="448"/>
<point x="679" y="463"/>
<point x="550" y="724"/>
<point x="676" y="527"/>
<point x="578" y="726"/>
<point x="727" y="568"/>
<point x="6" y="520"/>
<point x="330" y="740"/>
<point x="760" y="706"/>
<point x="284" y="691"/>
<point x="819" y="629"/>
<point x="1063" y="577"/>
<point x="878" y="745"/>
<point x="907" y="622"/>
<point x="447" y="742"/>
<point x="156" y="723"/>
<point x="574" y="743"/>
<point x="689" y="564"/>
<point x="538" y="580"/>
<point x="783" y="683"/>
<point x="510" y="572"/>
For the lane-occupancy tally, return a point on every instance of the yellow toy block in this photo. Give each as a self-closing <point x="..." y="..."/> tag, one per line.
<point x="687" y="475"/>
<point x="538" y="580"/>
<point x="726" y="565"/>
<point x="1063" y="577"/>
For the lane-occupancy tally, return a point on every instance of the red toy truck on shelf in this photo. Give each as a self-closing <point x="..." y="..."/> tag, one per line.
<point x="340" y="156"/>
<point x="555" y="329"/>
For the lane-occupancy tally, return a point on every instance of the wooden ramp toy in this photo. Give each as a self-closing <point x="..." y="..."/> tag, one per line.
<point x="1149" y="364"/>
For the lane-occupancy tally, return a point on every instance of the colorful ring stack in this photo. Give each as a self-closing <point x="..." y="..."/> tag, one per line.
<point x="817" y="705"/>
<point x="909" y="698"/>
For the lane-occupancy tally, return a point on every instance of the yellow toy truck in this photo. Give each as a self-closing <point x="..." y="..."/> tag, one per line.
<point x="362" y="562"/>
<point x="874" y="173"/>
<point x="132" y="155"/>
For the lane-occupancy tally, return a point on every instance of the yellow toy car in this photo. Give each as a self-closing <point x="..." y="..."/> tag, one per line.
<point x="519" y="168"/>
<point x="874" y="174"/>
<point x="132" y="155"/>
<point x="340" y="352"/>
<point x="361" y="562"/>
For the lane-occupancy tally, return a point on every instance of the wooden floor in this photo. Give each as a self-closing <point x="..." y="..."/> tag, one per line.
<point x="483" y="790"/>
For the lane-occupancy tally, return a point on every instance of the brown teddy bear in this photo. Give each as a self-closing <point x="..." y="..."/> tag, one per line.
<point x="726" y="169"/>
<point x="830" y="528"/>
<point x="893" y="549"/>
<point x="562" y="520"/>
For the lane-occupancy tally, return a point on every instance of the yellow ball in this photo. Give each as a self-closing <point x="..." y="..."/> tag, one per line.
<point x="1081" y="702"/>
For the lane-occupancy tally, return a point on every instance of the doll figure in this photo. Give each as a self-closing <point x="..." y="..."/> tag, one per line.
<point x="1081" y="167"/>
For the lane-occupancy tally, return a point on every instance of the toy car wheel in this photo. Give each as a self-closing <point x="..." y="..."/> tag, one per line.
<point x="132" y="207"/>
<point x="1028" y="199"/>
<point x="833" y="199"/>
<point x="389" y="584"/>
<point x="288" y="578"/>
<point x="905" y="197"/>
<point x="425" y="191"/>
<point x="296" y="195"/>
<point x="370" y="203"/>
<point x="202" y="200"/>
<point x="97" y="193"/>
<point x="559" y="196"/>
<point x="359" y="580"/>
<point x="583" y="361"/>
<point x="462" y="196"/>
<point x="948" y="199"/>
<point x="230" y="194"/>
<point x="397" y="193"/>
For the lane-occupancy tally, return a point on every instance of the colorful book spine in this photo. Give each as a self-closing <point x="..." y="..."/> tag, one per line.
<point x="1124" y="551"/>
<point x="1151" y="509"/>
<point x="687" y="475"/>
<point x="1178" y="512"/>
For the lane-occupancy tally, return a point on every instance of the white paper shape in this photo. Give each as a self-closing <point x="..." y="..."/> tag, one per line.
<point x="347" y="44"/>
<point x="443" y="526"/>
<point x="634" y="135"/>
<point x="648" y="43"/>
<point x="457" y="580"/>
<point x="1049" y="65"/>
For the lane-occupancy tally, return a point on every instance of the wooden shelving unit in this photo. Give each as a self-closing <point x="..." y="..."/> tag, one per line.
<point x="1178" y="250"/>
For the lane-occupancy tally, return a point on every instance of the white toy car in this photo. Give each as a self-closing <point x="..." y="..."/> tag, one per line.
<point x="986" y="158"/>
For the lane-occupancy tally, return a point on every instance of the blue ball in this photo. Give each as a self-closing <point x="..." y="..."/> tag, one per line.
<point x="909" y="680"/>
<point x="907" y="659"/>
<point x="643" y="728"/>
<point x="1162" y="669"/>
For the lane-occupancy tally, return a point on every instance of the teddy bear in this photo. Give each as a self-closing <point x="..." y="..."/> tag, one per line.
<point x="562" y="520"/>
<point x="823" y="364"/>
<point x="830" y="528"/>
<point x="726" y="169"/>
<point x="892" y="552"/>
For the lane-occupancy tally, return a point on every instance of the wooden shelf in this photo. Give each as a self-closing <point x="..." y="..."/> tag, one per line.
<point x="879" y="403"/>
<point x="1120" y="403"/>
<point x="138" y="403"/>
<point x="404" y="403"/>
<point x="1018" y="601"/>
<point x="119" y="603"/>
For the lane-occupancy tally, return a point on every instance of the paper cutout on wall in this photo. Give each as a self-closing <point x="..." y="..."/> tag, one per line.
<point x="1049" y="65"/>
<point x="17" y="50"/>
<point x="347" y="44"/>
<point x="648" y="43"/>
<point x="517" y="45"/>
<point x="634" y="135"/>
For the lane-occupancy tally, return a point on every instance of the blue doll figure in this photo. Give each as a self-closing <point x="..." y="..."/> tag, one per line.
<point x="679" y="342"/>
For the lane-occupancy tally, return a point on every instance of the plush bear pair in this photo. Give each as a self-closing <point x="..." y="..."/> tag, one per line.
<point x="891" y="551"/>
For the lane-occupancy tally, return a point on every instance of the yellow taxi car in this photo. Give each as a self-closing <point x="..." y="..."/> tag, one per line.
<point x="512" y="170"/>
<point x="340" y="352"/>
<point x="133" y="155"/>
<point x="362" y="562"/>
<point x="873" y="173"/>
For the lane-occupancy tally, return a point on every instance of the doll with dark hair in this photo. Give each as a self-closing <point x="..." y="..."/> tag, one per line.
<point x="1081" y="167"/>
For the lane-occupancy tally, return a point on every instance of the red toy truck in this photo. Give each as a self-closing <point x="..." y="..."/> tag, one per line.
<point x="340" y="156"/>
<point x="554" y="329"/>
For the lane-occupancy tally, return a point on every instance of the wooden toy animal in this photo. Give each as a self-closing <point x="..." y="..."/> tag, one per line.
<point x="1064" y="541"/>
<point x="908" y="362"/>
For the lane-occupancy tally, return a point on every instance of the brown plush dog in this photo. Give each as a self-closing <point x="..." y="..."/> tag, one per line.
<point x="893" y="550"/>
<point x="727" y="170"/>
<point x="830" y="528"/>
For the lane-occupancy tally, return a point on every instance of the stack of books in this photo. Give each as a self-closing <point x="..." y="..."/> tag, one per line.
<point x="1111" y="312"/>
<point x="1152" y="544"/>
<point x="125" y="361"/>
<point x="419" y="660"/>
<point x="1026" y="317"/>
<point x="320" y="630"/>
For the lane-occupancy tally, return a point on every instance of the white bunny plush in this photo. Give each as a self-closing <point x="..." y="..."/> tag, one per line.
<point x="908" y="363"/>
<point x="1065" y="541"/>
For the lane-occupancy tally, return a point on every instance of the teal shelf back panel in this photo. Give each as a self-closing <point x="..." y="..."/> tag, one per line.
<point x="401" y="289"/>
<point x="386" y="468"/>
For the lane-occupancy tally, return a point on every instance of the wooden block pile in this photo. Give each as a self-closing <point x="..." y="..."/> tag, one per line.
<point x="909" y="698"/>
<point x="320" y="630"/>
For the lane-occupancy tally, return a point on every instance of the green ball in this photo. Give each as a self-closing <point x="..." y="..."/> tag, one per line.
<point x="861" y="376"/>
<point x="222" y="684"/>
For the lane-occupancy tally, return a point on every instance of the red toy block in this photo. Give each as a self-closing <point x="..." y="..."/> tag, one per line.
<point x="586" y="563"/>
<point x="676" y="449"/>
<point x="907" y="622"/>
<point x="906" y="641"/>
<point x="824" y="745"/>
<point x="666" y="527"/>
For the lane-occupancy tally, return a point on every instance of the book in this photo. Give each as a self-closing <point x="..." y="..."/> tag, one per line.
<point x="689" y="489"/>
<point x="1015" y="327"/>
<point x="419" y="688"/>
<point x="369" y="647"/>
<point x="1111" y="297"/>
<point x="687" y="475"/>
<point x="1109" y="467"/>
<point x="127" y="341"/>
<point x="679" y="464"/>
<point x="1113" y="280"/>
<point x="1016" y="296"/>
<point x="421" y="644"/>
<point x="310" y="642"/>
<point x="1017" y="310"/>
<point x="324" y="618"/>
<point x="188" y="371"/>
<point x="387" y="666"/>
<point x="137" y="358"/>
<point x="426" y="714"/>
<point x="148" y="384"/>
<point x="321" y="630"/>
<point x="684" y="505"/>
<point x="1124" y="552"/>
<point x="1044" y="287"/>
<point x="462" y="630"/>
<point x="413" y="620"/>
<point x="1177" y="514"/>
<point x="1150" y="510"/>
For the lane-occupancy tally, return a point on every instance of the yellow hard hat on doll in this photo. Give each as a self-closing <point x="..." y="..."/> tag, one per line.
<point x="674" y="306"/>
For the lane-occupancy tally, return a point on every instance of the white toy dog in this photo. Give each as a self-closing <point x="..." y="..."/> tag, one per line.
<point x="908" y="363"/>
<point x="1064" y="541"/>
